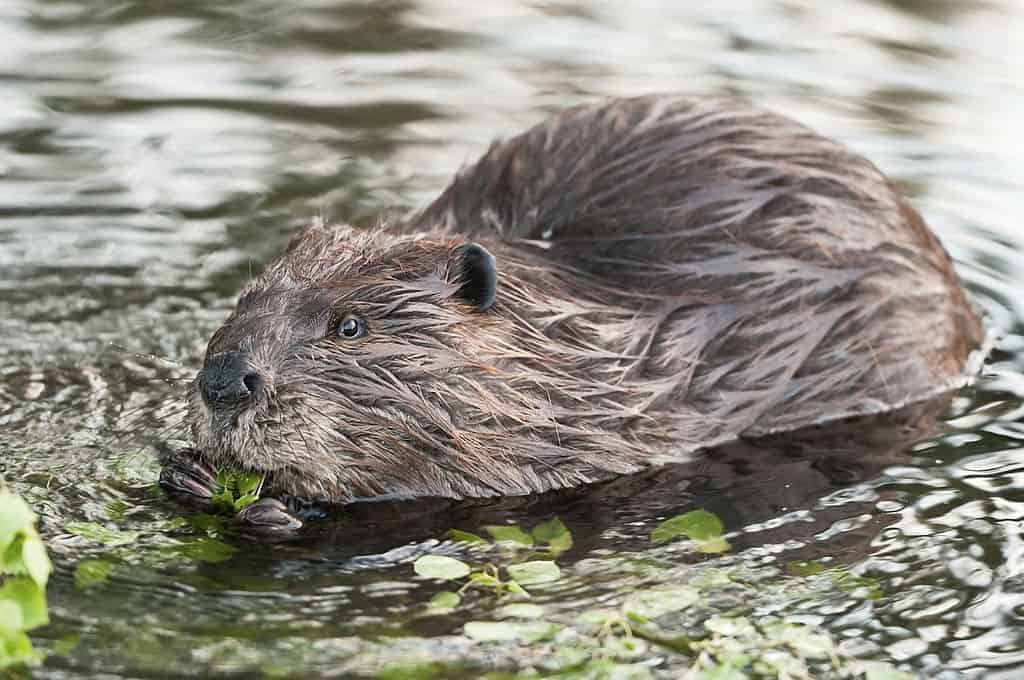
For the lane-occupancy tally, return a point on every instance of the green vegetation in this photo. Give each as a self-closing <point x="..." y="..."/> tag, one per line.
<point x="236" y="491"/>
<point x="24" y="570"/>
<point x="612" y="640"/>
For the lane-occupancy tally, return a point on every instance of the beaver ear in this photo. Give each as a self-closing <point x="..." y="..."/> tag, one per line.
<point x="473" y="267"/>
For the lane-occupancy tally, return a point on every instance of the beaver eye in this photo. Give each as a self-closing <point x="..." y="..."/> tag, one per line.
<point x="351" y="327"/>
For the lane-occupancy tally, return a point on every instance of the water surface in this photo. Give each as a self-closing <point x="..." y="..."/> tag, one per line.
<point x="153" y="155"/>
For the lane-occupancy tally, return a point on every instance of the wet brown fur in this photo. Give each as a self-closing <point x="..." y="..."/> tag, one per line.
<point x="674" y="273"/>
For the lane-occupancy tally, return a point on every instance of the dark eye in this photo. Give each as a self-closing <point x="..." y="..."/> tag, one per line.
<point x="351" y="327"/>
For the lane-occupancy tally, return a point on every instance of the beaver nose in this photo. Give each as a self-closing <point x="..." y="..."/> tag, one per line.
<point x="228" y="378"/>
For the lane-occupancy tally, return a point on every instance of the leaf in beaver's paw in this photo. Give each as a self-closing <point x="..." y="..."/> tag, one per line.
<point x="538" y="571"/>
<point x="440" y="567"/>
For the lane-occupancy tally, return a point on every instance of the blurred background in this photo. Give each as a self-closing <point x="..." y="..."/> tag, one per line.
<point x="154" y="154"/>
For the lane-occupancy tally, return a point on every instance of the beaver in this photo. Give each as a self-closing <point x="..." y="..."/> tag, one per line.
<point x="621" y="286"/>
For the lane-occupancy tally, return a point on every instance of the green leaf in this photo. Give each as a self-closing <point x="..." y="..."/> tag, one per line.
<point x="245" y="501"/>
<point x="712" y="546"/>
<point x="806" y="642"/>
<point x="248" y="483"/>
<point x="101" y="534"/>
<point x="206" y="550"/>
<point x="445" y="601"/>
<point x="697" y="525"/>
<point x="33" y="556"/>
<point x="722" y="671"/>
<point x="520" y="610"/>
<point x="13" y="563"/>
<point x="422" y="671"/>
<point x="484" y="579"/>
<point x="656" y="602"/>
<point x="597" y="617"/>
<point x="89" y="573"/>
<point x="509" y="534"/>
<point x="538" y="571"/>
<point x="515" y="588"/>
<point x="10" y="619"/>
<point x="500" y="631"/>
<point x="17" y="650"/>
<point x="15" y="517"/>
<point x="553" y="533"/>
<point x="466" y="537"/>
<point x="624" y="647"/>
<point x="237" y="490"/>
<point x="804" y="568"/>
<point x="29" y="598"/>
<point x="440" y="567"/>
<point x="66" y="644"/>
<point x="881" y="670"/>
<point x="731" y="626"/>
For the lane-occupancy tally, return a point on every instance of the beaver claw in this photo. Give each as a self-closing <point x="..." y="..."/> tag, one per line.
<point x="189" y="480"/>
<point x="267" y="517"/>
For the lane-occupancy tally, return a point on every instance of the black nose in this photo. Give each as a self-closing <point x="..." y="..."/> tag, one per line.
<point x="229" y="378"/>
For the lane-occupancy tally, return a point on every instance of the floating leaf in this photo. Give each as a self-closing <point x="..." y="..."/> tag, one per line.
<point x="538" y="571"/>
<point x="597" y="617"/>
<point x="521" y="610"/>
<point x="101" y="534"/>
<point x="10" y="620"/>
<point x="660" y="601"/>
<point x="804" y="568"/>
<point x="553" y="533"/>
<point x="208" y="550"/>
<point x="880" y="670"/>
<point x="17" y="650"/>
<point x="90" y="573"/>
<point x="445" y="601"/>
<point x="806" y="642"/>
<point x="15" y="517"/>
<point x="509" y="534"/>
<point x="515" y="588"/>
<point x="29" y="598"/>
<point x="732" y="627"/>
<point x="33" y="556"/>
<point x="697" y="525"/>
<point x="440" y="567"/>
<point x="420" y="671"/>
<point x="712" y="546"/>
<point x="624" y="647"/>
<point x="466" y="537"/>
<point x="722" y="671"/>
<point x="496" y="631"/>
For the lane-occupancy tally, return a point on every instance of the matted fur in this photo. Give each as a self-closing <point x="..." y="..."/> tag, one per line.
<point x="674" y="273"/>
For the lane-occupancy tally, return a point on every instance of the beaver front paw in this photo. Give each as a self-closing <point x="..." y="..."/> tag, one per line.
<point x="189" y="480"/>
<point x="267" y="517"/>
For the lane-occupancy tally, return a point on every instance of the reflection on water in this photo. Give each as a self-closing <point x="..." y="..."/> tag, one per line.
<point x="153" y="154"/>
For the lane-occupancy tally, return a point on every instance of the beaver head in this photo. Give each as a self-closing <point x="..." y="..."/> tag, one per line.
<point x="364" y="363"/>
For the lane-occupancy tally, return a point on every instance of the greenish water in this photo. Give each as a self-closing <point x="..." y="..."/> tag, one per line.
<point x="153" y="154"/>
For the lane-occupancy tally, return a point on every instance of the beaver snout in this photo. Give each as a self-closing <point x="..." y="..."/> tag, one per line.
<point x="229" y="379"/>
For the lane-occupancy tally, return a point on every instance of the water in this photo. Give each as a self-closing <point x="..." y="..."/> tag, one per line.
<point x="152" y="155"/>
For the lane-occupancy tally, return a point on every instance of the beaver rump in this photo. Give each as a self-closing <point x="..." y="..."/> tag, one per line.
<point x="618" y="287"/>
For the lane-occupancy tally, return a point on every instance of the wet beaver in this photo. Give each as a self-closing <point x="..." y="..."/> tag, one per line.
<point x="618" y="287"/>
